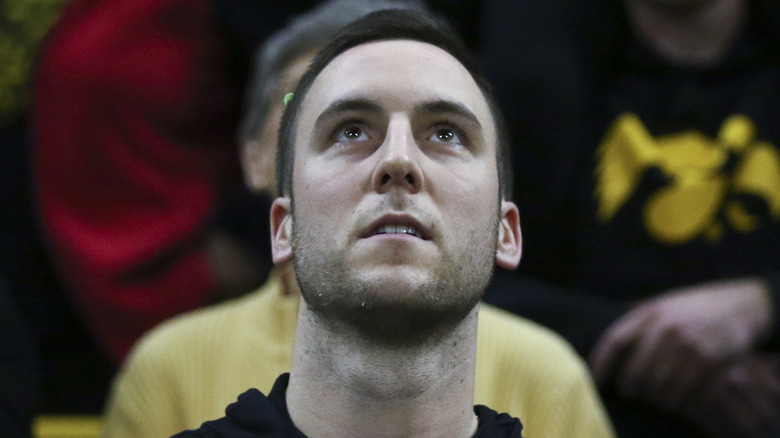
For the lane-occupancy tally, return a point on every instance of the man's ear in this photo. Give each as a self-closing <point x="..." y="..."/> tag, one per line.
<point x="510" y="240"/>
<point x="281" y="230"/>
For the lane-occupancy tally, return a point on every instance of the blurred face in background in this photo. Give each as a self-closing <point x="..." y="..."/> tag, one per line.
<point x="259" y="155"/>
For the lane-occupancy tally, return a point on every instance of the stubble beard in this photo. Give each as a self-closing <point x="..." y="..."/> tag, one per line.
<point x="390" y="314"/>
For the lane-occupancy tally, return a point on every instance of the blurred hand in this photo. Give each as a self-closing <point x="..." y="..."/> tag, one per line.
<point x="661" y="350"/>
<point x="741" y="400"/>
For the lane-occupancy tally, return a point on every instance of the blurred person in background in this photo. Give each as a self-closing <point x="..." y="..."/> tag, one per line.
<point x="73" y="371"/>
<point x="137" y="176"/>
<point x="648" y="179"/>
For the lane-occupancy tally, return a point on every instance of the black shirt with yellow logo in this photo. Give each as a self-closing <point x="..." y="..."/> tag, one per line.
<point x="633" y="176"/>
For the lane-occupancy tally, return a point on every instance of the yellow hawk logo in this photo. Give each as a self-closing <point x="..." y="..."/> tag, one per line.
<point x="700" y="191"/>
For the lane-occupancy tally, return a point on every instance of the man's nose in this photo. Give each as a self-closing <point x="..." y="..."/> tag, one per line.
<point x="399" y="164"/>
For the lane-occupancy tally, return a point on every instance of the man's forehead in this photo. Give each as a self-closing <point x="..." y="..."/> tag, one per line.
<point x="397" y="73"/>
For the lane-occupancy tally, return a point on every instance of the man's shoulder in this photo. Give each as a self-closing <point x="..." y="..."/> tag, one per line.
<point x="198" y="326"/>
<point x="515" y="334"/>
<point x="526" y="353"/>
<point x="495" y="425"/>
<point x="186" y="328"/>
<point x="251" y="409"/>
<point x="253" y="415"/>
<point x="552" y="390"/>
<point x="196" y="364"/>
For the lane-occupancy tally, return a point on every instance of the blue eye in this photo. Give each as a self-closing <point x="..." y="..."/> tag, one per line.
<point x="447" y="135"/>
<point x="350" y="133"/>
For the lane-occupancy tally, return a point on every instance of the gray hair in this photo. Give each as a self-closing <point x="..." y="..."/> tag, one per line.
<point x="305" y="33"/>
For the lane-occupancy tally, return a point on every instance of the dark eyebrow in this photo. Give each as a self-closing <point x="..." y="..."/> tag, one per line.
<point x="348" y="104"/>
<point x="447" y="106"/>
<point x="432" y="107"/>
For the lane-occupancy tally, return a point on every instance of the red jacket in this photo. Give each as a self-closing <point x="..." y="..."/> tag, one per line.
<point x="135" y="124"/>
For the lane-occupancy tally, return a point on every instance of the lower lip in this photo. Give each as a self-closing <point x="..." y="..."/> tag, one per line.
<point x="398" y="236"/>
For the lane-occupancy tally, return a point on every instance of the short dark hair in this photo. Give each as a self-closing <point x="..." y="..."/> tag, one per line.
<point x="306" y="33"/>
<point x="391" y="24"/>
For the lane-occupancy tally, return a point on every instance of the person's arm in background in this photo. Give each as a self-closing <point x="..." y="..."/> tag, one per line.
<point x="694" y="350"/>
<point x="662" y="347"/>
<point x="742" y="399"/>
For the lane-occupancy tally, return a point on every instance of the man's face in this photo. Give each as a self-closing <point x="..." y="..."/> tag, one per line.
<point x="395" y="187"/>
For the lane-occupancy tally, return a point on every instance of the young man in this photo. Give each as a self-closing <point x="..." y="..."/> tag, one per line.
<point x="390" y="168"/>
<point x="187" y="370"/>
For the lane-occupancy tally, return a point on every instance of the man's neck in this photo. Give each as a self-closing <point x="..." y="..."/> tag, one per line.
<point x="697" y="34"/>
<point x="341" y="386"/>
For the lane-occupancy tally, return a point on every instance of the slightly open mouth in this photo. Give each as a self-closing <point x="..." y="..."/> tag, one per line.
<point x="398" y="229"/>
